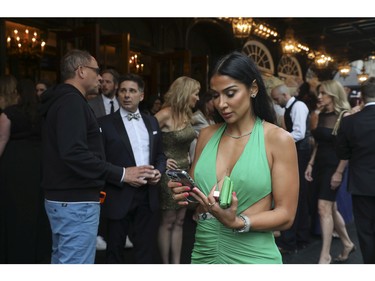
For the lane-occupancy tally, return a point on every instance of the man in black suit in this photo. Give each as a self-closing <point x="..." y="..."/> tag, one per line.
<point x="103" y="104"/>
<point x="296" y="120"/>
<point x="132" y="139"/>
<point x="356" y="142"/>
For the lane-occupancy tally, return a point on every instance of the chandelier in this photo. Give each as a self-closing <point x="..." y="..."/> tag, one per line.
<point x="290" y="46"/>
<point x="322" y="60"/>
<point x="135" y="64"/>
<point x="242" y="28"/>
<point x="25" y="44"/>
<point x="363" y="76"/>
<point x="344" y="70"/>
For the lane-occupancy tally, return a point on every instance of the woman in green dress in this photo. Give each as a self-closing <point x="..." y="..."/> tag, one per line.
<point x="259" y="158"/>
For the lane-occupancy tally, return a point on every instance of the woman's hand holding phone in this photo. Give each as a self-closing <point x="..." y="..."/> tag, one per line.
<point x="186" y="181"/>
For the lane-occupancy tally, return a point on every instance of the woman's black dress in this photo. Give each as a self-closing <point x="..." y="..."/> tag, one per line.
<point x="25" y="235"/>
<point x="326" y="160"/>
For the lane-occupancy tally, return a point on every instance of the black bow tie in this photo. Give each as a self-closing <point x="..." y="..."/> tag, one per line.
<point x="135" y="116"/>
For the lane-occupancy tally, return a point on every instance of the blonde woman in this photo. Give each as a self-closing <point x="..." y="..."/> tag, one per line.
<point x="175" y="123"/>
<point x="325" y="170"/>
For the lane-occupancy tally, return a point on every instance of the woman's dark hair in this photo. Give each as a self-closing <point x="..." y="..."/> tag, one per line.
<point x="243" y="69"/>
<point x="45" y="82"/>
<point x="28" y="101"/>
<point x="151" y="100"/>
<point x="307" y="96"/>
<point x="201" y="103"/>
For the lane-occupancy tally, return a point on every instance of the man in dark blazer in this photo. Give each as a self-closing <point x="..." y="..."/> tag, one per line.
<point x="103" y="104"/>
<point x="132" y="139"/>
<point x="356" y="142"/>
<point x="106" y="102"/>
<point x="296" y="120"/>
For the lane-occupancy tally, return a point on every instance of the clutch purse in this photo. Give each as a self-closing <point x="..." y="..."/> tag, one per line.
<point x="225" y="198"/>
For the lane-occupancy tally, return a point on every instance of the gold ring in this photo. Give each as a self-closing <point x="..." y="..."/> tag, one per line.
<point x="211" y="204"/>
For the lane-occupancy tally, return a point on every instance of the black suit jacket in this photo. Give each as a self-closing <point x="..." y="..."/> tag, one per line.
<point x="356" y="142"/>
<point x="97" y="106"/>
<point x="118" y="150"/>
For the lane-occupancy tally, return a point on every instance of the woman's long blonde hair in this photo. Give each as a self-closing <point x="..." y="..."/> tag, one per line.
<point x="178" y="98"/>
<point x="338" y="94"/>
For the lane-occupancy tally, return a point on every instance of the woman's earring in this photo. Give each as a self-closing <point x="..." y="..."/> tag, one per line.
<point x="253" y="95"/>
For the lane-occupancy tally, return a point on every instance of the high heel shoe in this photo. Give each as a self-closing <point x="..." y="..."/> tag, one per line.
<point x="342" y="259"/>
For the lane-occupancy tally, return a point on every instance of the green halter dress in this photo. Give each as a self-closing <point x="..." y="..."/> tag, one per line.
<point x="217" y="244"/>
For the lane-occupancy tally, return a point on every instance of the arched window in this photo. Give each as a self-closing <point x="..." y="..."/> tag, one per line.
<point x="289" y="67"/>
<point x="261" y="56"/>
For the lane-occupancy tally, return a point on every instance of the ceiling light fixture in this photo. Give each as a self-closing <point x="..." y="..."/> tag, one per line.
<point x="290" y="46"/>
<point x="25" y="43"/>
<point x="363" y="76"/>
<point x="243" y="27"/>
<point x="344" y="70"/>
<point x="322" y="60"/>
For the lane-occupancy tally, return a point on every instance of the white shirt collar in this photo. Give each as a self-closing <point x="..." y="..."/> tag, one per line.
<point x="106" y="99"/>
<point x="290" y="101"/>
<point x="124" y="112"/>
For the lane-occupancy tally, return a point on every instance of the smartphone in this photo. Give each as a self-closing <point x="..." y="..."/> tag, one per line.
<point x="184" y="178"/>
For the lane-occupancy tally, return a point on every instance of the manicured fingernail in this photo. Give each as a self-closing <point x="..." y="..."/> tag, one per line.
<point x="187" y="189"/>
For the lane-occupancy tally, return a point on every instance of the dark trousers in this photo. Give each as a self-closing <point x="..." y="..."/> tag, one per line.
<point x="299" y="233"/>
<point x="144" y="225"/>
<point x="364" y="217"/>
<point x="102" y="226"/>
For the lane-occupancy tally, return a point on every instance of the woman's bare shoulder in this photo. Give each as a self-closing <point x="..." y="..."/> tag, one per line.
<point x="163" y="115"/>
<point x="276" y="135"/>
<point x="208" y="131"/>
<point x="164" y="112"/>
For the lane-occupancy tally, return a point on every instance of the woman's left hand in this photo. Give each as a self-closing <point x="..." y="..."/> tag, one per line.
<point x="209" y="204"/>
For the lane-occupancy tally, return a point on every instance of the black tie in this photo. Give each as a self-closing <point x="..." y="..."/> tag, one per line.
<point x="135" y="116"/>
<point x="112" y="107"/>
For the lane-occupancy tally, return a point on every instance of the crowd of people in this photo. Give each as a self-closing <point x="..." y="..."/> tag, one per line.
<point x="83" y="162"/>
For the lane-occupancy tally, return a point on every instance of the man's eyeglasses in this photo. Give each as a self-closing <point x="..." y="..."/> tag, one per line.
<point x="96" y="69"/>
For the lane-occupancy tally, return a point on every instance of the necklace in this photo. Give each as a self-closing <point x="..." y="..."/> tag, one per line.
<point x="238" y="137"/>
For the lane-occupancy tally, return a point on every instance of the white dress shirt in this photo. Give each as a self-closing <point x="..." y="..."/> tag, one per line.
<point x="299" y="114"/>
<point x="139" y="138"/>
<point x="107" y="104"/>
